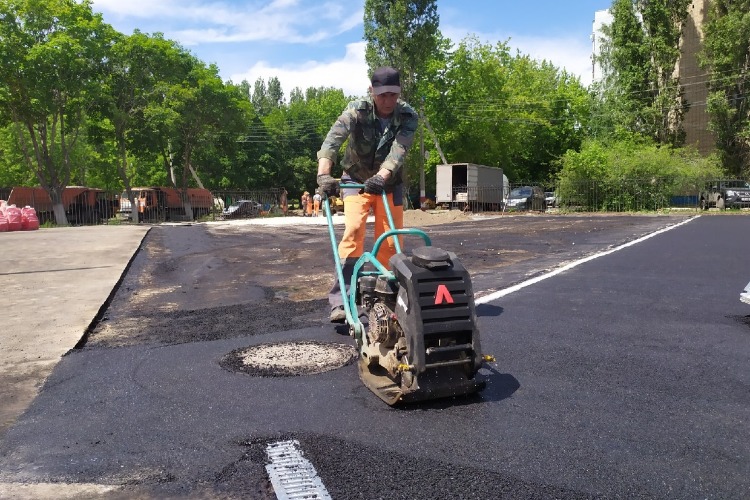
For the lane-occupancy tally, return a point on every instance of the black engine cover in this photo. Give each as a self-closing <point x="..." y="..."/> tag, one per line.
<point x="435" y="308"/>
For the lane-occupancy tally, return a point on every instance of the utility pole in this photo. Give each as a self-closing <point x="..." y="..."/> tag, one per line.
<point x="422" y="192"/>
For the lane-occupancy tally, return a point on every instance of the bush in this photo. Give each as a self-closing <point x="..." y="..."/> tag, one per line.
<point x="630" y="174"/>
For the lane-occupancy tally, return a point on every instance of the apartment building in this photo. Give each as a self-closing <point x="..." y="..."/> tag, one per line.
<point x="693" y="78"/>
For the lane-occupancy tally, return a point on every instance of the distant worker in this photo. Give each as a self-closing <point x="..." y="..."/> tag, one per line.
<point x="316" y="204"/>
<point x="283" y="201"/>
<point x="304" y="201"/>
<point x="380" y="130"/>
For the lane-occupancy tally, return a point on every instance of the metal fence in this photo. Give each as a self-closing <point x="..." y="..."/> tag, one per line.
<point x="232" y="204"/>
<point x="621" y="195"/>
<point x="628" y="195"/>
<point x="263" y="203"/>
<point x="478" y="199"/>
<point x="103" y="208"/>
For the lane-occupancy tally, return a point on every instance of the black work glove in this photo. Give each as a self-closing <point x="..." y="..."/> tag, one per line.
<point x="328" y="185"/>
<point x="375" y="184"/>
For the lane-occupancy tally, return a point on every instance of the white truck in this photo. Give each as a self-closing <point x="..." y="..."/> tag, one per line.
<point x="461" y="184"/>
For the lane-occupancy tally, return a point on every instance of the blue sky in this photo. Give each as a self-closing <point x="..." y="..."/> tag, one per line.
<point x="319" y="42"/>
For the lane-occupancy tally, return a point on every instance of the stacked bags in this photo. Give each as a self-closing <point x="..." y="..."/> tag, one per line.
<point x="13" y="218"/>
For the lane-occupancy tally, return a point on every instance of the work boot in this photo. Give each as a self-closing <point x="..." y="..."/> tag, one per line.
<point x="338" y="315"/>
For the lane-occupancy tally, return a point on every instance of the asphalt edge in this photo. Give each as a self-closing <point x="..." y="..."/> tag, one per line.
<point x="105" y="305"/>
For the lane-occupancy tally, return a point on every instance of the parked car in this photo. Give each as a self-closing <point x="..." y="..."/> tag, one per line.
<point x="730" y="193"/>
<point x="242" y="209"/>
<point x="550" y="198"/>
<point x="745" y="295"/>
<point x="527" y="198"/>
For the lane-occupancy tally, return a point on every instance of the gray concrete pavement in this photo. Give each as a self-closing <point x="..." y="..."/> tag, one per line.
<point x="53" y="283"/>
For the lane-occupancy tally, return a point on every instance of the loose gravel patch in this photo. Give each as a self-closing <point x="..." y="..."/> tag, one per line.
<point x="289" y="359"/>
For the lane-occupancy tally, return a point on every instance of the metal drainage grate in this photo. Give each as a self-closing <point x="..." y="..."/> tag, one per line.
<point x="293" y="476"/>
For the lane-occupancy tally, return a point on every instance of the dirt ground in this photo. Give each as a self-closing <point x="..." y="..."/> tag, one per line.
<point x="208" y="281"/>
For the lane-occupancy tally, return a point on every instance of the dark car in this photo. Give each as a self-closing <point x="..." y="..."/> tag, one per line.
<point x="729" y="193"/>
<point x="527" y="198"/>
<point x="242" y="209"/>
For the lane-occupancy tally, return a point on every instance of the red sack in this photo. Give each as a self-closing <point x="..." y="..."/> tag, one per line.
<point x="13" y="213"/>
<point x="29" y="219"/>
<point x="4" y="224"/>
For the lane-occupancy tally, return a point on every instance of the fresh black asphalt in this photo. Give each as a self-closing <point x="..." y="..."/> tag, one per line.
<point x="625" y="377"/>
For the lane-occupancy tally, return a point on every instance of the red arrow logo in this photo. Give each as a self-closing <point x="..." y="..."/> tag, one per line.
<point x="443" y="295"/>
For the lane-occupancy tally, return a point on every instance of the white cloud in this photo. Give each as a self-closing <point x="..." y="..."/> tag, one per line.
<point x="572" y="54"/>
<point x="348" y="73"/>
<point x="136" y="8"/>
<point x="195" y="22"/>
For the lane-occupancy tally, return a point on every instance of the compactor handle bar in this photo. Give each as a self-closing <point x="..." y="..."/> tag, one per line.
<point x="350" y="304"/>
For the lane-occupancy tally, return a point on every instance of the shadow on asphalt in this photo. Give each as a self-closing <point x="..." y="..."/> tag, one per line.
<point x="489" y="310"/>
<point x="499" y="386"/>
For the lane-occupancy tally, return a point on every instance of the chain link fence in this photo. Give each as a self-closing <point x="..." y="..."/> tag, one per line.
<point x="630" y="195"/>
<point x="621" y="195"/>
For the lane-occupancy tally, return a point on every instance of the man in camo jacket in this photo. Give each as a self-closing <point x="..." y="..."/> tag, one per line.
<point x="380" y="130"/>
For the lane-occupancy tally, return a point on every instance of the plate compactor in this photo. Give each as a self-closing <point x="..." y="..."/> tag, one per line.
<point x="421" y="340"/>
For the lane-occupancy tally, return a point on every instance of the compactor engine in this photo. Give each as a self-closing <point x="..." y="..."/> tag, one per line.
<point x="421" y="340"/>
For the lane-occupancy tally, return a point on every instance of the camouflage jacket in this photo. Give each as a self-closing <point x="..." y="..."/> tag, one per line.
<point x="369" y="149"/>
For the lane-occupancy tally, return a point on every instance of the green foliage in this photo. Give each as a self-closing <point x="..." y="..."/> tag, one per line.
<point x="640" y="49"/>
<point x="493" y="108"/>
<point x="13" y="171"/>
<point x="726" y="52"/>
<point x="82" y="104"/>
<point x="52" y="62"/>
<point x="630" y="173"/>
<point x="403" y="34"/>
<point x="267" y="98"/>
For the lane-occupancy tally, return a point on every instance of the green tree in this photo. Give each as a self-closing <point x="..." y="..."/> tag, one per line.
<point x="490" y="107"/>
<point x="291" y="135"/>
<point x="267" y="97"/>
<point x="403" y="34"/>
<point x="52" y="60"/>
<point x="202" y="111"/>
<point x="139" y="66"/>
<point x="13" y="169"/>
<point x="726" y="51"/>
<point x="641" y="47"/>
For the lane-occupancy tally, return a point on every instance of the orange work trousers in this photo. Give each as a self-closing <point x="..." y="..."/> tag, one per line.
<point x="356" y="209"/>
<point x="316" y="208"/>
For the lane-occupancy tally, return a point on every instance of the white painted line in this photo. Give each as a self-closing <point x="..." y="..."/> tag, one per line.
<point x="292" y="475"/>
<point x="502" y="293"/>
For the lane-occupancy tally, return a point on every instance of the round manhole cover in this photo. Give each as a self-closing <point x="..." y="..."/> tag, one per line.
<point x="289" y="359"/>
